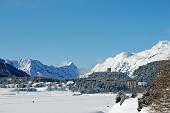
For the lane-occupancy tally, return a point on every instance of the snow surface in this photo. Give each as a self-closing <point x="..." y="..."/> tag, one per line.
<point x="54" y="102"/>
<point x="129" y="106"/>
<point x="36" y="68"/>
<point x="128" y="62"/>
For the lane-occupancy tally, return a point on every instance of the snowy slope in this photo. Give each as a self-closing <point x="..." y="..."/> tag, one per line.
<point x="129" y="106"/>
<point x="127" y="62"/>
<point x="36" y="68"/>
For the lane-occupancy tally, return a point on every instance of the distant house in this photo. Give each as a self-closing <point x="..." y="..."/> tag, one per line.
<point x="109" y="69"/>
<point x="70" y="83"/>
<point x="131" y="83"/>
<point x="115" y="78"/>
<point x="142" y="84"/>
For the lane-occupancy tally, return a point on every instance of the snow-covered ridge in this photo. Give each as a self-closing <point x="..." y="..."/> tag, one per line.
<point x="36" y="68"/>
<point x="127" y="62"/>
<point x="66" y="63"/>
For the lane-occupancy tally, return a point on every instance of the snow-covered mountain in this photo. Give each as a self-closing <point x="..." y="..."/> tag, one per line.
<point x="128" y="62"/>
<point x="36" y="68"/>
<point x="7" y="70"/>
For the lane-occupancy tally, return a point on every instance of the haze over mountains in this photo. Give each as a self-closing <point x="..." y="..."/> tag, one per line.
<point x="129" y="62"/>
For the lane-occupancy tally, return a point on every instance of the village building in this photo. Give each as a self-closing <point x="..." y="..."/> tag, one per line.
<point x="115" y="78"/>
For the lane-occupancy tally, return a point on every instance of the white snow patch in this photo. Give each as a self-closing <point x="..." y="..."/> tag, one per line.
<point x="129" y="106"/>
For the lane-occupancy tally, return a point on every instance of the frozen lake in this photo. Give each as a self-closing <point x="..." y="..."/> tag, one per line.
<point x="55" y="102"/>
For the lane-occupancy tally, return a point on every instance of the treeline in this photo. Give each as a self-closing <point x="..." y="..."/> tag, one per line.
<point x="148" y="73"/>
<point x="101" y="82"/>
<point x="157" y="94"/>
<point x="24" y="80"/>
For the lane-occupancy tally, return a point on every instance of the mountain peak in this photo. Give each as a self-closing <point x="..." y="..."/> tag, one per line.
<point x="25" y="59"/>
<point x="7" y="70"/>
<point x="66" y="63"/>
<point x="162" y="45"/>
<point x="28" y="60"/>
<point x="164" y="42"/>
<point x="127" y="62"/>
<point x="36" y="68"/>
<point x="124" y="54"/>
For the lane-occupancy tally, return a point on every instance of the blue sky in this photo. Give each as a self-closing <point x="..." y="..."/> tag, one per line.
<point x="82" y="31"/>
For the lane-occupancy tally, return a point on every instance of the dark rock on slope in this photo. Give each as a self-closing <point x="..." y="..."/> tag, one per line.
<point x="7" y="70"/>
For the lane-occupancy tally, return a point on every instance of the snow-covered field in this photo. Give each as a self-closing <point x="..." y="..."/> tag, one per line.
<point x="54" y="102"/>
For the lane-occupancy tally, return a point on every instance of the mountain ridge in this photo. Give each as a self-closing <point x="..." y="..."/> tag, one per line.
<point x="7" y="70"/>
<point x="36" y="68"/>
<point x="128" y="62"/>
